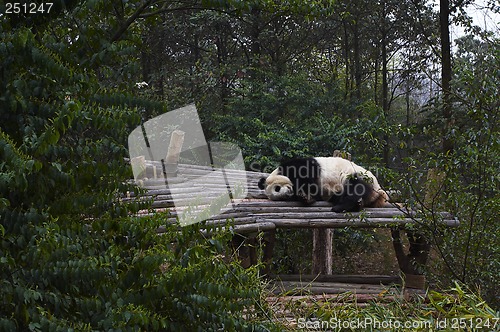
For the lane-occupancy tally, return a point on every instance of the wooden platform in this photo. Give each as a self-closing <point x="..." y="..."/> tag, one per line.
<point x="255" y="213"/>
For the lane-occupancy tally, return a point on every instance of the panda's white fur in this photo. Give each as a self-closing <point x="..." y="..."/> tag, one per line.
<point x="335" y="171"/>
<point x="333" y="175"/>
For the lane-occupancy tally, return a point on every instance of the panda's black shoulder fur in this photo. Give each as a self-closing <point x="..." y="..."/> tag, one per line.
<point x="304" y="173"/>
<point x="306" y="168"/>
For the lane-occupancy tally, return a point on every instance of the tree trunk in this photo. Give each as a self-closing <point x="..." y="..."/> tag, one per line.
<point x="376" y="97"/>
<point x="385" y="83"/>
<point x="446" y="73"/>
<point x="357" y="62"/>
<point x="255" y="35"/>
<point x="222" y="55"/>
<point x="346" y="59"/>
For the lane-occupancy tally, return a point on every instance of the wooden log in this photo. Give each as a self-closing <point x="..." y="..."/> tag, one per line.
<point x="414" y="281"/>
<point x="323" y="244"/>
<point x="315" y="224"/>
<point x="366" y="288"/>
<point x="161" y="182"/>
<point x="301" y="214"/>
<point x="174" y="150"/>
<point x="268" y="250"/>
<point x="325" y="290"/>
<point x="240" y="221"/>
<point x="256" y="227"/>
<point x="231" y="215"/>
<point x="322" y="254"/>
<point x="243" y="228"/>
<point x="411" y="264"/>
<point x="333" y="299"/>
<point x="328" y="288"/>
<point x="246" y="228"/>
<point x="341" y="223"/>
<point x="197" y="171"/>
<point x="348" y="278"/>
<point x="138" y="167"/>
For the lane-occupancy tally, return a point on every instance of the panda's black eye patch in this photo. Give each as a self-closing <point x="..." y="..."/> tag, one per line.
<point x="277" y="189"/>
<point x="262" y="183"/>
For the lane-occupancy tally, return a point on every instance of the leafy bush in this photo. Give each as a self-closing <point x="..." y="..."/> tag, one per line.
<point x="470" y="185"/>
<point x="71" y="257"/>
<point x="285" y="117"/>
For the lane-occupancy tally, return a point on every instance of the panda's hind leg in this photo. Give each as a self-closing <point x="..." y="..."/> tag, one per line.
<point x="352" y="196"/>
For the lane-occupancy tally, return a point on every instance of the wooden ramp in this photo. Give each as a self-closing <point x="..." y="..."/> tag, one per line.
<point x="350" y="288"/>
<point x="295" y="297"/>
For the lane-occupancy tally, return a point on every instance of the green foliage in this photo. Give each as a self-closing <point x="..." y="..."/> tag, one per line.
<point x="473" y="169"/>
<point x="71" y="255"/>
<point x="280" y="79"/>
<point x="470" y="188"/>
<point x="286" y="117"/>
<point x="310" y="6"/>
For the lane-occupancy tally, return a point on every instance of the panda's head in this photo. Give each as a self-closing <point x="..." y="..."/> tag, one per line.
<point x="277" y="187"/>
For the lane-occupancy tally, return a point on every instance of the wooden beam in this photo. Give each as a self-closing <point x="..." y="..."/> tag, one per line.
<point x="346" y="278"/>
<point x="173" y="153"/>
<point x="138" y="167"/>
<point x="358" y="223"/>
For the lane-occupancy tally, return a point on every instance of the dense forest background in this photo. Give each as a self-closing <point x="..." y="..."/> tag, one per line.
<point x="281" y="79"/>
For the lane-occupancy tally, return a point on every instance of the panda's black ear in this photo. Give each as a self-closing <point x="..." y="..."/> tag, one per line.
<point x="262" y="183"/>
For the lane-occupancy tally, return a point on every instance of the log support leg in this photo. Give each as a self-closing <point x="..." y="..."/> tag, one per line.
<point x="246" y="247"/>
<point x="411" y="264"/>
<point x="322" y="251"/>
<point x="268" y="248"/>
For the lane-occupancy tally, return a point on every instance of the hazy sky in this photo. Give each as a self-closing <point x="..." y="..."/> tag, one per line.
<point x="482" y="17"/>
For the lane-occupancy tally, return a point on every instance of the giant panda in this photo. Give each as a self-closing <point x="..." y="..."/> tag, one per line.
<point x="349" y="187"/>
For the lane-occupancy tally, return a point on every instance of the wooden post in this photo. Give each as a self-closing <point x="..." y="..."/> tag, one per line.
<point x="138" y="167"/>
<point x="323" y="239"/>
<point x="322" y="251"/>
<point x="411" y="264"/>
<point x="174" y="150"/>
<point x="342" y="154"/>
<point x="268" y="243"/>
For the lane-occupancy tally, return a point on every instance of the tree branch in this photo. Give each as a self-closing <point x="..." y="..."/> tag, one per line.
<point x="130" y="20"/>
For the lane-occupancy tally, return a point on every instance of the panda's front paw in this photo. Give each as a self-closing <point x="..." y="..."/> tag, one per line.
<point x="306" y="200"/>
<point x="309" y="201"/>
<point x="338" y="209"/>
